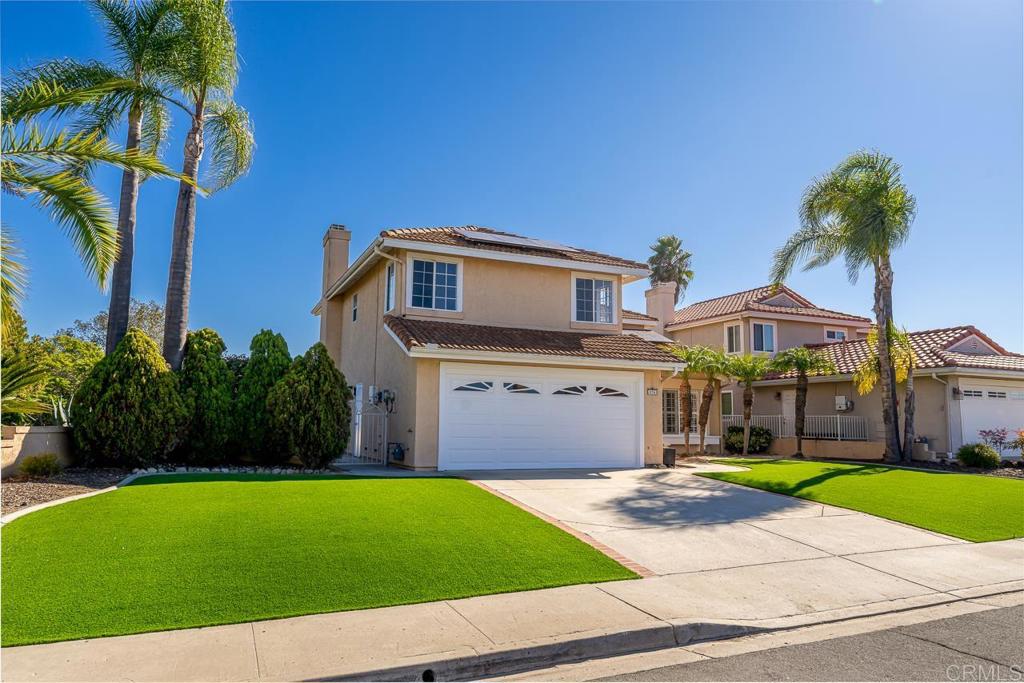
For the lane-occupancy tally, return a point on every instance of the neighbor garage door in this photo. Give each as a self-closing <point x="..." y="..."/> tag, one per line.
<point x="984" y="406"/>
<point x="497" y="417"/>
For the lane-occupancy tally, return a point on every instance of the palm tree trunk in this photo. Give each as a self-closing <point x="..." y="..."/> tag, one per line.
<point x="705" y="411"/>
<point x="886" y="372"/>
<point x="748" y="407"/>
<point x="687" y="413"/>
<point x="801" y="411"/>
<point x="179" y="276"/>
<point x="121" y="281"/>
<point x="908" y="417"/>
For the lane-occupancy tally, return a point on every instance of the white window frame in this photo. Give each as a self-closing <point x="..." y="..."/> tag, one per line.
<point x="436" y="259"/>
<point x="725" y="337"/>
<point x="732" y="404"/>
<point x="841" y="331"/>
<point x="614" y="303"/>
<point x="390" y="277"/>
<point x="355" y="306"/>
<point x="775" y="336"/>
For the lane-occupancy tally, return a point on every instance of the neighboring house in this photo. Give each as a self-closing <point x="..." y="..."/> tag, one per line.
<point x="490" y="350"/>
<point x="760" y="321"/>
<point x="965" y="382"/>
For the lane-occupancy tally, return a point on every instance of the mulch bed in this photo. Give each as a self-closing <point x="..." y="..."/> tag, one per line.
<point x="1010" y="469"/>
<point x="20" y="491"/>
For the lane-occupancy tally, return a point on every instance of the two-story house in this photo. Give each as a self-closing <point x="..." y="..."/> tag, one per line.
<point x="489" y="350"/>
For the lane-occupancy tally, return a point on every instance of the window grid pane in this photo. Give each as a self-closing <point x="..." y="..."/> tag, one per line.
<point x="604" y="300"/>
<point x="670" y="412"/>
<point x="423" y="284"/>
<point x="769" y="338"/>
<point x="585" y="300"/>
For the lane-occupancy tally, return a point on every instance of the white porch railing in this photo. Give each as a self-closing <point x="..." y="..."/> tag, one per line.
<point x="833" y="427"/>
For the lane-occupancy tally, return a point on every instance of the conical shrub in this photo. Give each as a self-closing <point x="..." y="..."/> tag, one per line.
<point x="206" y="384"/>
<point x="268" y="362"/>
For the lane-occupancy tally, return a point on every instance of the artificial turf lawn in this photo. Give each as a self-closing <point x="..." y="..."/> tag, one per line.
<point x="968" y="506"/>
<point x="182" y="551"/>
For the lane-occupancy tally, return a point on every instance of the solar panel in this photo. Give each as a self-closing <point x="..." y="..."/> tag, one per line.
<point x="490" y="237"/>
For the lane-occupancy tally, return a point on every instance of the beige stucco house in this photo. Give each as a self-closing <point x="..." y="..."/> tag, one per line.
<point x="486" y="350"/>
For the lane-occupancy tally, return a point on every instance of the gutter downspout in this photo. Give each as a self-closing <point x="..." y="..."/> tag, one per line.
<point x="949" y="429"/>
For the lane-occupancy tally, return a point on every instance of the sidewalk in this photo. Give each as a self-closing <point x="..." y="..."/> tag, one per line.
<point x="497" y="634"/>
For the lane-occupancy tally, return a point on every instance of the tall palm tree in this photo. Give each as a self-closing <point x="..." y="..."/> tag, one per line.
<point x="141" y="37"/>
<point x="713" y="365"/>
<point x="204" y="69"/>
<point x="747" y="369"/>
<point x="904" y="359"/>
<point x="47" y="165"/>
<point x="694" y="358"/>
<point x="862" y="211"/>
<point x="670" y="263"/>
<point x="804" y="362"/>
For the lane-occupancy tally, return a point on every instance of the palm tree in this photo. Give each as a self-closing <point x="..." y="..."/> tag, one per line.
<point x="904" y="359"/>
<point x="713" y="365"/>
<point x="747" y="369"/>
<point x="204" y="69"/>
<point x="694" y="357"/>
<point x="804" y="362"/>
<point x="140" y="35"/>
<point x="670" y="263"/>
<point x="862" y="211"/>
<point x="19" y="393"/>
<point x="48" y="166"/>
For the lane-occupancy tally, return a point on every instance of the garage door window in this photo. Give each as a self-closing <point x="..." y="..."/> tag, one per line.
<point x="611" y="392"/>
<point x="516" y="388"/>
<point x="575" y="390"/>
<point x="997" y="394"/>
<point x="972" y="393"/>
<point x="475" y="386"/>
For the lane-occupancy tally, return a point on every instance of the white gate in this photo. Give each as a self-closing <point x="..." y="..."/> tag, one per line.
<point x="367" y="444"/>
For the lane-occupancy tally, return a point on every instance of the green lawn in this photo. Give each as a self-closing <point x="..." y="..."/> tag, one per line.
<point x="181" y="551"/>
<point x="968" y="506"/>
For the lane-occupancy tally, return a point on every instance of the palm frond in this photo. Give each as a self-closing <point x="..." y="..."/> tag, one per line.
<point x="21" y="381"/>
<point x="232" y="143"/>
<point x="13" y="276"/>
<point x="24" y="101"/>
<point x="156" y="122"/>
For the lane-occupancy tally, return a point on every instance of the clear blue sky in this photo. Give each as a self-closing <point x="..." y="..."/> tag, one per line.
<point x="597" y="125"/>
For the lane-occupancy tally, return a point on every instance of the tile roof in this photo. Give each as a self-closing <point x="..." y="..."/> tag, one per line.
<point x="634" y="315"/>
<point x="754" y="300"/>
<point x="450" y="335"/>
<point x="931" y="348"/>
<point x="449" y="236"/>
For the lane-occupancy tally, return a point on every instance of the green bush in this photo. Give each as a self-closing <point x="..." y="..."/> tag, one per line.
<point x="206" y="384"/>
<point x="309" y="409"/>
<point x="760" y="439"/>
<point x="268" y="362"/>
<point x="128" y="412"/>
<point x="41" y="465"/>
<point x="978" y="455"/>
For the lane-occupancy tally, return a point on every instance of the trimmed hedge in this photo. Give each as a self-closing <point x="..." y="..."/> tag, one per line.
<point x="760" y="439"/>
<point x="207" y="386"/>
<point x="128" y="412"/>
<point x="978" y="455"/>
<point x="309" y="410"/>
<point x="268" y="362"/>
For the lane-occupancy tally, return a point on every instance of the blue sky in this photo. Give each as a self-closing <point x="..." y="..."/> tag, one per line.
<point x="596" y="125"/>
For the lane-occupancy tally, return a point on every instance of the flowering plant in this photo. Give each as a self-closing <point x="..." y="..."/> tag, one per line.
<point x="996" y="438"/>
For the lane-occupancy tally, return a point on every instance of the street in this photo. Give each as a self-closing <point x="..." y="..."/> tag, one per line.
<point x="985" y="646"/>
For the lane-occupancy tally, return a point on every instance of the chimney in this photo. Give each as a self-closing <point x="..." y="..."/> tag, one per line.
<point x="661" y="303"/>
<point x="336" y="241"/>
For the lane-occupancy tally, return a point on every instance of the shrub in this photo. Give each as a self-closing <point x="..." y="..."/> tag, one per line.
<point x="206" y="386"/>
<point x="128" y="411"/>
<point x="309" y="409"/>
<point x="41" y="465"/>
<point x="978" y="455"/>
<point x="760" y="439"/>
<point x="268" y="362"/>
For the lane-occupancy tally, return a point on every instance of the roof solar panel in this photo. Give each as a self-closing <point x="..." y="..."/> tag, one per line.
<point x="510" y="240"/>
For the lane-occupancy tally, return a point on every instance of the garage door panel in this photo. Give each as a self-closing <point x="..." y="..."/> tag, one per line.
<point x="505" y="428"/>
<point x="991" y="406"/>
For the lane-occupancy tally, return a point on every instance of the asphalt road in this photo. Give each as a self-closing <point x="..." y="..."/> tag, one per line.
<point x="985" y="646"/>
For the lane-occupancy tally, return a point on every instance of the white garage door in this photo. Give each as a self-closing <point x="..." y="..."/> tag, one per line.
<point x="497" y="417"/>
<point x="991" y="407"/>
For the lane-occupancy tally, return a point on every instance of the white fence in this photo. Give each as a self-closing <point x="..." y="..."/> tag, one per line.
<point x="367" y="444"/>
<point x="832" y="427"/>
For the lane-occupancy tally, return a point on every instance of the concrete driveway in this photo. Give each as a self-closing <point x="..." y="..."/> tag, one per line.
<point x="673" y="522"/>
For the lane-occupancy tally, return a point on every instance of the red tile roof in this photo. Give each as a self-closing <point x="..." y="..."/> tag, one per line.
<point x="634" y="315"/>
<point x="932" y="348"/>
<point x="753" y="300"/>
<point x="449" y="236"/>
<point x="450" y="335"/>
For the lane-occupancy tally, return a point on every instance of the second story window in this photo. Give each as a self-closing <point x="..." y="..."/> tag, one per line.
<point x="435" y="284"/>
<point x="389" y="287"/>
<point x="355" y="307"/>
<point x="733" y="342"/>
<point x="835" y="335"/>
<point x="594" y="301"/>
<point x="763" y="335"/>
